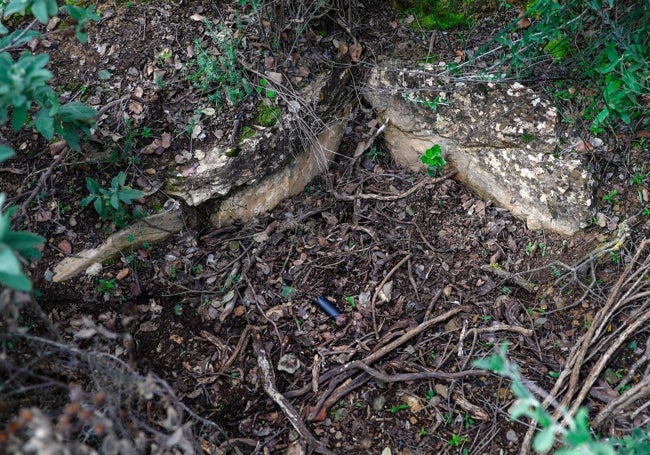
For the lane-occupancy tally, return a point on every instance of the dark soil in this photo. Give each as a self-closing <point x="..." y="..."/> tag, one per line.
<point x="201" y="309"/>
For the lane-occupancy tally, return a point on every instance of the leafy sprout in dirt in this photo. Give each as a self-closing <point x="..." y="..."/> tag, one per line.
<point x="106" y="286"/>
<point x="375" y="153"/>
<point x="109" y="203"/>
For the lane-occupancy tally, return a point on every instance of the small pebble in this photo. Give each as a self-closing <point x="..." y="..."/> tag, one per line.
<point x="511" y="436"/>
<point x="378" y="403"/>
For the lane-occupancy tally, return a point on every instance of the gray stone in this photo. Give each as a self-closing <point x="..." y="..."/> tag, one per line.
<point x="500" y="138"/>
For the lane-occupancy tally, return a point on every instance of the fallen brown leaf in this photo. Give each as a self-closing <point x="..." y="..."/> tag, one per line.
<point x="136" y="107"/>
<point x="165" y="140"/>
<point x="355" y="52"/>
<point x="65" y="246"/>
<point x="122" y="274"/>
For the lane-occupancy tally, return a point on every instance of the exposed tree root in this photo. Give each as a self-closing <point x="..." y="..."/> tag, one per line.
<point x="628" y="300"/>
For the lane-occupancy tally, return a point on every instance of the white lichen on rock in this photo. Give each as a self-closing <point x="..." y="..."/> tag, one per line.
<point x="501" y="139"/>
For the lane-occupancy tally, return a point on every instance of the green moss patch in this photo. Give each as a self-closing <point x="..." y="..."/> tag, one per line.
<point x="267" y="115"/>
<point x="437" y="14"/>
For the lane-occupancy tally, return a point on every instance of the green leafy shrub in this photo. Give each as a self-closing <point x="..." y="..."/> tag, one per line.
<point x="23" y="82"/>
<point x="109" y="203"/>
<point x="576" y="437"/>
<point x="222" y="74"/>
<point x="602" y="45"/>
<point x="15" y="244"/>
<point x="23" y="86"/>
<point x="82" y="16"/>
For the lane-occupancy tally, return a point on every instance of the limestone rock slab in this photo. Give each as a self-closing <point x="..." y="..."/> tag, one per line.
<point x="500" y="138"/>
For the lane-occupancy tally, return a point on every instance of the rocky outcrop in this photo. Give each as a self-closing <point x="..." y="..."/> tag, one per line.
<point x="250" y="176"/>
<point x="500" y="138"/>
<point x="244" y="179"/>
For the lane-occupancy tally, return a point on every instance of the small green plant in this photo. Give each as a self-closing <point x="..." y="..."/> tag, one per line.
<point x="456" y="440"/>
<point x="613" y="255"/>
<point x="265" y="89"/>
<point x="422" y="432"/>
<point x="109" y="203"/>
<point x="610" y="197"/>
<point x="375" y="153"/>
<point x="527" y="138"/>
<point x="530" y="247"/>
<point x="222" y="75"/>
<point x="430" y="394"/>
<point x="398" y="407"/>
<point x="106" y="286"/>
<point x="289" y="292"/>
<point x="467" y="421"/>
<point x="433" y="160"/>
<point x="245" y="133"/>
<point x="351" y="302"/>
<point x="437" y="14"/>
<point x="433" y="104"/>
<point x="638" y="178"/>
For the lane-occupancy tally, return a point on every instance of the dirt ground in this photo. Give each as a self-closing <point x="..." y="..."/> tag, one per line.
<point x="204" y="310"/>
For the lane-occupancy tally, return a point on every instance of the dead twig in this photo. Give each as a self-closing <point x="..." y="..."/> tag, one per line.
<point x="378" y="290"/>
<point x="241" y="345"/>
<point x="501" y="327"/>
<point x="41" y="182"/>
<point x="268" y="383"/>
<point x="631" y="287"/>
<point x="638" y="391"/>
<point x="396" y="197"/>
<point x="345" y="371"/>
<point x="512" y="277"/>
<point x="427" y="374"/>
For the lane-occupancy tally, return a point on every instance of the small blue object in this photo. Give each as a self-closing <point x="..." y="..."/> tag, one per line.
<point x="327" y="307"/>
